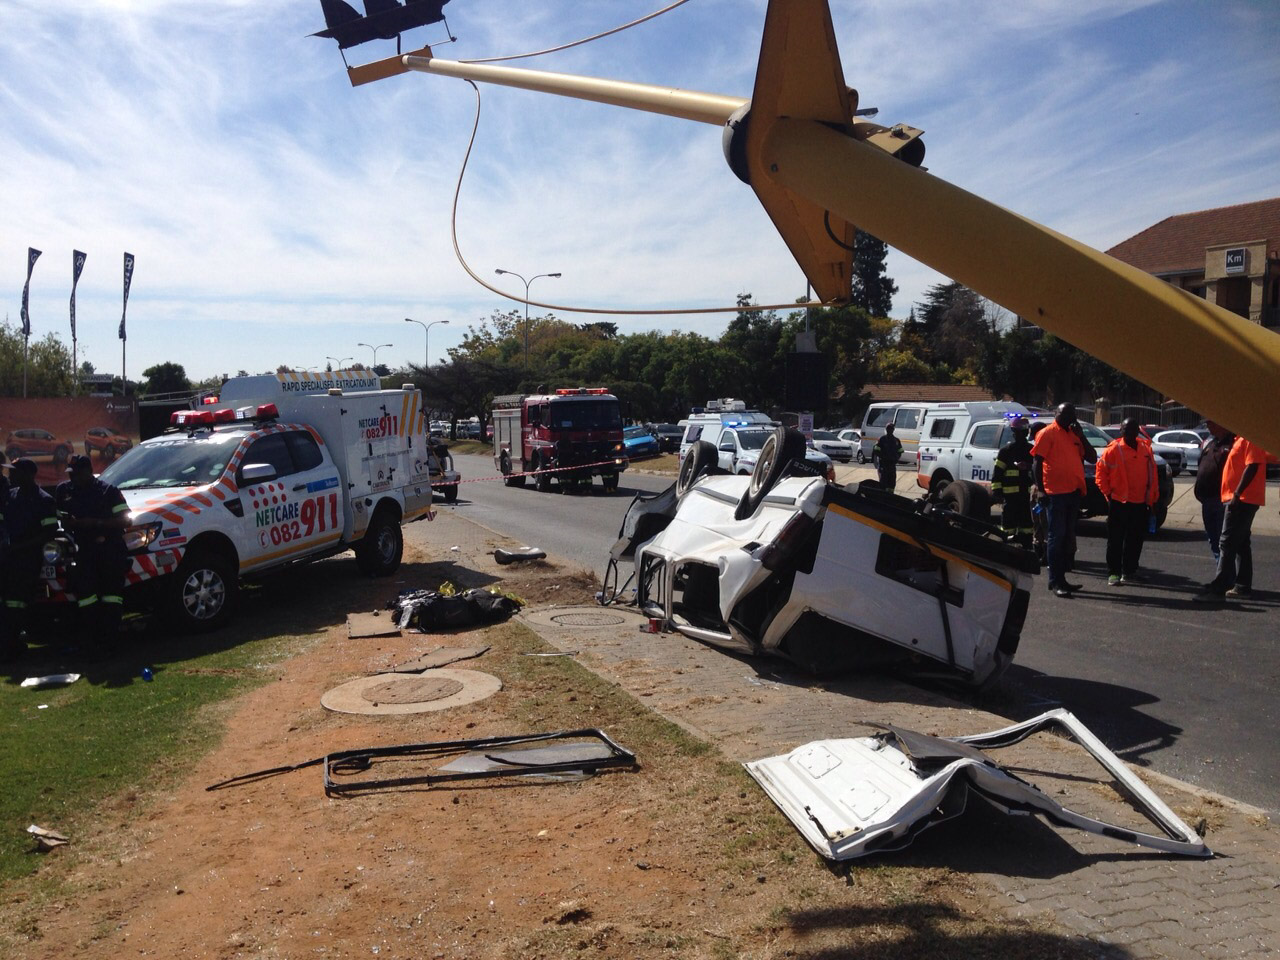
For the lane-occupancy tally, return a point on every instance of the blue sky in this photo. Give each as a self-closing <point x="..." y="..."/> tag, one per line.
<point x="280" y="216"/>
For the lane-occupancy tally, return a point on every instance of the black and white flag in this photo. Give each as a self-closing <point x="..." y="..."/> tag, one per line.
<point x="128" y="278"/>
<point x="32" y="256"/>
<point x="77" y="264"/>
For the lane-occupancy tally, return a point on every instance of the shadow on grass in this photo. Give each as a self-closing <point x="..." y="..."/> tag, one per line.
<point x="295" y="602"/>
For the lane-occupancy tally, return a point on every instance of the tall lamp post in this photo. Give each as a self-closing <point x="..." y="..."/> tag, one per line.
<point x="426" y="334"/>
<point x="527" y="284"/>
<point x="375" y="350"/>
<point x="339" y="362"/>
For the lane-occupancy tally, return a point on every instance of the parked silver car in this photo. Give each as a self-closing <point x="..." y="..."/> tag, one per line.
<point x="1188" y="441"/>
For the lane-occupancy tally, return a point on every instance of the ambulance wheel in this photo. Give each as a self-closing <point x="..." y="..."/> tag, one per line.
<point x="203" y="593"/>
<point x="378" y="552"/>
<point x="542" y="480"/>
<point x="967" y="499"/>
<point x="702" y="456"/>
<point x="778" y="451"/>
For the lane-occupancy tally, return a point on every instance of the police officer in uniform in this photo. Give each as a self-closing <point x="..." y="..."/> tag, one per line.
<point x="1011" y="484"/>
<point x="887" y="451"/>
<point x="29" y="520"/>
<point x="96" y="516"/>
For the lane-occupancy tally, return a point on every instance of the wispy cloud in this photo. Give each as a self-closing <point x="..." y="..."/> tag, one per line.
<point x="279" y="214"/>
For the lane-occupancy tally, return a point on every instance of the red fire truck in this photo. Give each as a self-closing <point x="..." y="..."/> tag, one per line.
<point x="568" y="436"/>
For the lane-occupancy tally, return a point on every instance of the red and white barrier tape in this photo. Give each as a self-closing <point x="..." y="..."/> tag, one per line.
<point x="534" y="473"/>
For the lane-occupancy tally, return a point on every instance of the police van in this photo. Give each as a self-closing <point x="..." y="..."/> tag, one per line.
<point x="282" y="469"/>
<point x="739" y="434"/>
<point x="959" y="441"/>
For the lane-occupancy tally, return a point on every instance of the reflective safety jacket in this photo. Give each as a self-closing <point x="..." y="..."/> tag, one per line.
<point x="1012" y="474"/>
<point x="1128" y="474"/>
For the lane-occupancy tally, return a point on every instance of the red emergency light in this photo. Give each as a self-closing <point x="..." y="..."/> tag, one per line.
<point x="267" y="411"/>
<point x="573" y="391"/>
<point x="207" y="400"/>
<point x="225" y="415"/>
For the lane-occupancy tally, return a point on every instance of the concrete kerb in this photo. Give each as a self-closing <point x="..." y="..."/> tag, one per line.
<point x="1094" y="886"/>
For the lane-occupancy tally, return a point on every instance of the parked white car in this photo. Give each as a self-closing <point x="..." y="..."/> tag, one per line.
<point x="834" y="447"/>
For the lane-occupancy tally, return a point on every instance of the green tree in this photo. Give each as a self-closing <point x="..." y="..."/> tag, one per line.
<point x="165" y="377"/>
<point x="48" y="365"/>
<point x="873" y="290"/>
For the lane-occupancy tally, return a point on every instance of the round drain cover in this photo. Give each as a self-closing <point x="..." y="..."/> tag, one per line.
<point x="588" y="619"/>
<point x="399" y="693"/>
<point x="416" y="690"/>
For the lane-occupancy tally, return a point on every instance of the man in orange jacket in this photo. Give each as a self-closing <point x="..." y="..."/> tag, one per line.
<point x="1126" y="476"/>
<point x="1244" y="490"/>
<point x="1057" y="468"/>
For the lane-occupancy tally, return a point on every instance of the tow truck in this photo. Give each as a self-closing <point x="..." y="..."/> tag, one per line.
<point x="571" y="436"/>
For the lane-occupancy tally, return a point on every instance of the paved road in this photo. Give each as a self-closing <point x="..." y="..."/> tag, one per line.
<point x="1186" y="690"/>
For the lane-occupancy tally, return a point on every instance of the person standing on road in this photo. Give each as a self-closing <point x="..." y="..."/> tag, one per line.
<point x="1208" y="487"/>
<point x="1058" y="472"/>
<point x="1243" y="491"/>
<point x="96" y="515"/>
<point x="887" y="451"/>
<point x="28" y="519"/>
<point x="1011" y="484"/>
<point x="1126" y="476"/>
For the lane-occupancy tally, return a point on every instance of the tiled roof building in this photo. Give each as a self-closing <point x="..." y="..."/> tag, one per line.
<point x="1228" y="255"/>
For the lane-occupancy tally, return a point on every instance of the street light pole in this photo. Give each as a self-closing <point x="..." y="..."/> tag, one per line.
<point x="527" y="284"/>
<point x="375" y="351"/>
<point x="426" y="335"/>
<point x="339" y="362"/>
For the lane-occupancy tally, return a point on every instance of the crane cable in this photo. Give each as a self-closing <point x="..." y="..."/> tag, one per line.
<point x="599" y="36"/>
<point x="563" y="308"/>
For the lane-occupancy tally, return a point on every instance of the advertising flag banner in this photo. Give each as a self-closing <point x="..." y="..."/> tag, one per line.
<point x="128" y="278"/>
<point x="77" y="264"/>
<point x="32" y="256"/>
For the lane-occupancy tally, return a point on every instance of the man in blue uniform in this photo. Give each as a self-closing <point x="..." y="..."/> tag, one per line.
<point x="96" y="516"/>
<point x="28" y="521"/>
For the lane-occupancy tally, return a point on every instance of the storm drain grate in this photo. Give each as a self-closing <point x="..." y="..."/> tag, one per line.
<point x="588" y="619"/>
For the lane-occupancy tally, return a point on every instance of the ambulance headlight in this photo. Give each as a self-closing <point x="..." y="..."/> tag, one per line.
<point x="55" y="552"/>
<point x="142" y="536"/>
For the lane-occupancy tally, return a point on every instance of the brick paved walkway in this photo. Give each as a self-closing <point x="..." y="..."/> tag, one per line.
<point x="1145" y="903"/>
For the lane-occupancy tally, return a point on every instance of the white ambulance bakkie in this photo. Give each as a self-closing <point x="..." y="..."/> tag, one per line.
<point x="285" y="468"/>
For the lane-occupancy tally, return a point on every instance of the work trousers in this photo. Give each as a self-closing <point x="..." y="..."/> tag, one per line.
<point x="19" y="577"/>
<point x="1211" y="512"/>
<point x="1126" y="531"/>
<point x="97" y="579"/>
<point x="1235" y="551"/>
<point x="1015" y="518"/>
<point x="888" y="474"/>
<point x="1063" y="510"/>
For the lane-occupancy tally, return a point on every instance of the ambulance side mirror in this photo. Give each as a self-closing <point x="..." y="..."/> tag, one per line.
<point x="258" y="473"/>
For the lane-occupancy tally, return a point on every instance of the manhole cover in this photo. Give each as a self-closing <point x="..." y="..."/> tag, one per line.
<point x="417" y="690"/>
<point x="389" y="694"/>
<point x="588" y="619"/>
